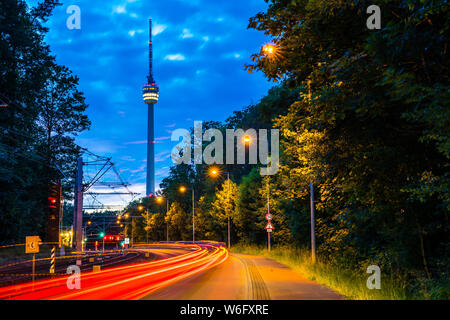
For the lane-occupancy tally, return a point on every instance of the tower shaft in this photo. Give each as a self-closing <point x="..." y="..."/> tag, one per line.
<point x="150" y="187"/>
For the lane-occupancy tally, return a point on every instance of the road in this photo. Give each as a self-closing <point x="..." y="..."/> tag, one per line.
<point x="190" y="271"/>
<point x="246" y="277"/>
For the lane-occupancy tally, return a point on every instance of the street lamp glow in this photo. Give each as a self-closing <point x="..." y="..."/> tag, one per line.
<point x="270" y="50"/>
<point x="214" y="172"/>
<point x="126" y="215"/>
<point x="140" y="208"/>
<point x="159" y="199"/>
<point x="182" y="189"/>
<point x="247" y="139"/>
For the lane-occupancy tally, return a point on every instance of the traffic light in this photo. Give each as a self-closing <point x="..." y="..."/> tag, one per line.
<point x="53" y="211"/>
<point x="102" y="234"/>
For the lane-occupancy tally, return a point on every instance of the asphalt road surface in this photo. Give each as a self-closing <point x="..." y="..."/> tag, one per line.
<point x="200" y="271"/>
<point x="246" y="277"/>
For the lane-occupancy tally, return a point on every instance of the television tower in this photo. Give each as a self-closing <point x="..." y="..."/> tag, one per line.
<point x="150" y="94"/>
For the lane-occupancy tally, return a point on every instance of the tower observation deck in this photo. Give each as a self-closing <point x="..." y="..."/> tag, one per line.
<point x="150" y="94"/>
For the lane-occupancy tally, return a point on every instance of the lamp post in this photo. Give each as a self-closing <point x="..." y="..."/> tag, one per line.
<point x="247" y="140"/>
<point x="140" y="208"/>
<point x="215" y="172"/>
<point x="182" y="190"/>
<point x="160" y="199"/>
<point x="311" y="191"/>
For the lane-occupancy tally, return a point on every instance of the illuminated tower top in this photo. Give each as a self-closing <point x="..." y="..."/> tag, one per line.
<point x="150" y="91"/>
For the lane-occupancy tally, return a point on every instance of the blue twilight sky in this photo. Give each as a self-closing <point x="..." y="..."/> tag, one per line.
<point x="200" y="49"/>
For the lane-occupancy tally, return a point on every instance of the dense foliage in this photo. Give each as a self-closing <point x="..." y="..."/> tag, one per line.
<point x="42" y="113"/>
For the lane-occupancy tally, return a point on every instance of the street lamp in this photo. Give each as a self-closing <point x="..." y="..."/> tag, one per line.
<point x="214" y="172"/>
<point x="160" y="200"/>
<point x="247" y="140"/>
<point x="182" y="190"/>
<point x="140" y="208"/>
<point x="270" y="50"/>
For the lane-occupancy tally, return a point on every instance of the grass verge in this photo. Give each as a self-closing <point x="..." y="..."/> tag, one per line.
<point x="350" y="284"/>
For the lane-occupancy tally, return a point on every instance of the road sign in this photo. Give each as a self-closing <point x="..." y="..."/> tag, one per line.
<point x="32" y="244"/>
<point x="127" y="241"/>
<point x="269" y="216"/>
<point x="269" y="227"/>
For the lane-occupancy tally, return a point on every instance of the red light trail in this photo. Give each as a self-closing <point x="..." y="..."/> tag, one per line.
<point x="122" y="283"/>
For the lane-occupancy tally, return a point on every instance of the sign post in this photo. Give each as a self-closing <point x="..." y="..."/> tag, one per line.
<point x="32" y="246"/>
<point x="269" y="228"/>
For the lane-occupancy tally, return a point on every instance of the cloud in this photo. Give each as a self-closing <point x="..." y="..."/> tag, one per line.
<point x="120" y="9"/>
<point x="136" y="142"/>
<point x="140" y="169"/>
<point x="127" y="158"/>
<point x="161" y="156"/>
<point x="232" y="55"/>
<point x="175" y="57"/>
<point x="133" y="32"/>
<point x="158" y="28"/>
<point x="164" y="171"/>
<point x="186" y="34"/>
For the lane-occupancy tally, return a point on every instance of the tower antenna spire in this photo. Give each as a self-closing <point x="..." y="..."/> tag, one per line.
<point x="150" y="53"/>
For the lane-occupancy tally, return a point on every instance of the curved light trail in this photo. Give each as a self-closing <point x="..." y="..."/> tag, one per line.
<point x="123" y="283"/>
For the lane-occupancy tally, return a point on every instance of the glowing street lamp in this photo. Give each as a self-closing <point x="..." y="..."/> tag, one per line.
<point x="214" y="172"/>
<point x="247" y="140"/>
<point x="160" y="200"/>
<point x="183" y="189"/>
<point x="270" y="50"/>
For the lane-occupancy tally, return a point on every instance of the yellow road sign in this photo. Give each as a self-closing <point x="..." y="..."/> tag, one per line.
<point x="32" y="244"/>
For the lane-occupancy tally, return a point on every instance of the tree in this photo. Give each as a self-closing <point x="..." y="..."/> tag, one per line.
<point x="223" y="208"/>
<point x="180" y="223"/>
<point x="29" y="74"/>
<point x="370" y="127"/>
<point x="61" y="117"/>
